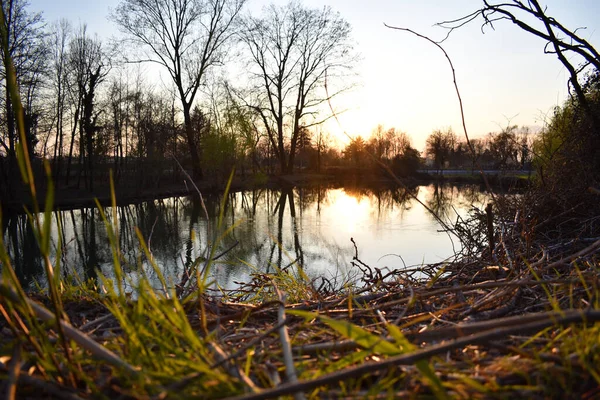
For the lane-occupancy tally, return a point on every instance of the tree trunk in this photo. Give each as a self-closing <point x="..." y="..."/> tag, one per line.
<point x="12" y="160"/>
<point x="73" y="131"/>
<point x="319" y="159"/>
<point x="290" y="164"/>
<point x="189" y="133"/>
<point x="292" y="155"/>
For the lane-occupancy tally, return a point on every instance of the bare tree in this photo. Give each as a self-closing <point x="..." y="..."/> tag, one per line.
<point x="399" y="141"/>
<point x="439" y="145"/>
<point x="232" y="119"/>
<point x="187" y="38"/>
<point x="294" y="53"/>
<point x="32" y="80"/>
<point x="322" y="144"/>
<point x="117" y="104"/>
<point x="379" y="142"/>
<point x="479" y="146"/>
<point x="59" y="41"/>
<point x="574" y="52"/>
<point x="525" y="140"/>
<point x="504" y="147"/>
<point x="88" y="68"/>
<point x="25" y="47"/>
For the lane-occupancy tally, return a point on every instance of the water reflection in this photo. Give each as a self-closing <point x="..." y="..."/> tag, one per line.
<point x="260" y="230"/>
<point x="19" y="236"/>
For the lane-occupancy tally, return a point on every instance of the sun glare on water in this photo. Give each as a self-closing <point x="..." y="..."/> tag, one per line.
<point x="351" y="212"/>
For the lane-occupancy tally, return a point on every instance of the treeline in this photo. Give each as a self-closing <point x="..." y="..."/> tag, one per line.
<point x="510" y="149"/>
<point x="90" y="106"/>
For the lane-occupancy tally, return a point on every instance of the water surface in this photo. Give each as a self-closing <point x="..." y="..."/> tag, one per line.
<point x="258" y="230"/>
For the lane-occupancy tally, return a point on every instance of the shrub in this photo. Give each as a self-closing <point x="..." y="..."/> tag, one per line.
<point x="567" y="153"/>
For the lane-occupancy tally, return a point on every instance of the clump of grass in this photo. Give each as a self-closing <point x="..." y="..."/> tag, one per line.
<point x="263" y="287"/>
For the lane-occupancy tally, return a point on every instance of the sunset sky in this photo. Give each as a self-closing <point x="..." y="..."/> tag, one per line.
<point x="405" y="82"/>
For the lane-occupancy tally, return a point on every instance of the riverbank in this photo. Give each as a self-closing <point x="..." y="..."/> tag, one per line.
<point x="73" y="197"/>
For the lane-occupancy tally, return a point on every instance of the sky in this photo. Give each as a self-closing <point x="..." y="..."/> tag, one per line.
<point x="405" y="82"/>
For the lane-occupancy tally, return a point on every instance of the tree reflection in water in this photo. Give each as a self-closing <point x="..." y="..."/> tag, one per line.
<point x="447" y="200"/>
<point x="307" y="228"/>
<point x="22" y="248"/>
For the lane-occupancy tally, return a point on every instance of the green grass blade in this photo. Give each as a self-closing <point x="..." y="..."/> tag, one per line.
<point x="361" y="336"/>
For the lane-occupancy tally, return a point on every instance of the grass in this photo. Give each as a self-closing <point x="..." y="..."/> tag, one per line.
<point x="456" y="336"/>
<point x="461" y="334"/>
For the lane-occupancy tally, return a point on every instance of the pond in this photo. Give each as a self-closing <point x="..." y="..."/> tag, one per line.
<point x="257" y="230"/>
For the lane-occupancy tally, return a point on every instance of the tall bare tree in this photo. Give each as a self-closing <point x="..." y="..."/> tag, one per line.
<point x="59" y="42"/>
<point x="439" y="145"/>
<point x="400" y="142"/>
<point x="88" y="68"/>
<point x="187" y="38"/>
<point x="294" y="53"/>
<point x="504" y="147"/>
<point x="25" y="31"/>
